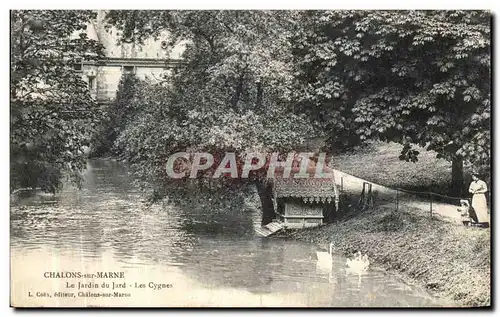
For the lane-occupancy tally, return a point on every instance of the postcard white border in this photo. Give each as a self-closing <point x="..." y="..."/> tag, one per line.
<point x="5" y="310"/>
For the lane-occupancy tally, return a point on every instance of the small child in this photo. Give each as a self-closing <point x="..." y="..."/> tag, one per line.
<point x="465" y="212"/>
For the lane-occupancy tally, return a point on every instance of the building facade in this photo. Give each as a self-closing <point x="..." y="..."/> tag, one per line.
<point x="151" y="60"/>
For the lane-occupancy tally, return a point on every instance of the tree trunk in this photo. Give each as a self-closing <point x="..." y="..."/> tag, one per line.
<point x="259" y="95"/>
<point x="265" y="193"/>
<point x="457" y="177"/>
<point x="237" y="92"/>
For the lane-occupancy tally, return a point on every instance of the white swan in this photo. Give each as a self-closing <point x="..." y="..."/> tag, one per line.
<point x="359" y="263"/>
<point x="325" y="259"/>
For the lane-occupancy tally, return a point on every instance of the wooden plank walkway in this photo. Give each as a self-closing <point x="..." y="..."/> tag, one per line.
<point x="269" y="229"/>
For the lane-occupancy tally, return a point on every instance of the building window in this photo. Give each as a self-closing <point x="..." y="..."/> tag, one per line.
<point x="128" y="70"/>
<point x="77" y="67"/>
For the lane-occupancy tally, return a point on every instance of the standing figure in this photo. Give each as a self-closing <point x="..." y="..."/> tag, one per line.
<point x="478" y="188"/>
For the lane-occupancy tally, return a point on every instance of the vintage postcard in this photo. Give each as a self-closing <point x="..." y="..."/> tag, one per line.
<point x="250" y="158"/>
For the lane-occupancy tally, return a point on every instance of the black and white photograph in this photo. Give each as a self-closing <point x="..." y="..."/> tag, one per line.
<point x="250" y="158"/>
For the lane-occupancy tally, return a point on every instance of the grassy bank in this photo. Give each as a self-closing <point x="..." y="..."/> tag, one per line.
<point x="379" y="162"/>
<point x="451" y="261"/>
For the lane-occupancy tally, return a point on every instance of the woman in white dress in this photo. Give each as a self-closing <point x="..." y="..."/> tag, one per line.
<point x="478" y="188"/>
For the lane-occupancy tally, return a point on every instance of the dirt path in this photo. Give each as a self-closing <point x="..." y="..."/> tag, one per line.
<point x="354" y="185"/>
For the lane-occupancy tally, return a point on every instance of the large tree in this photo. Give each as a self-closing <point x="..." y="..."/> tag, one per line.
<point x="233" y="92"/>
<point x="52" y="112"/>
<point x="414" y="77"/>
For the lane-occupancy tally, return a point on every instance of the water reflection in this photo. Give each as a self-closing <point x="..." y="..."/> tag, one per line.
<point x="214" y="254"/>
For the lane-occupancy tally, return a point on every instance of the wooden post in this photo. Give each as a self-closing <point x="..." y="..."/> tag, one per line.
<point x="341" y="184"/>
<point x="361" y="201"/>
<point x="370" y="196"/>
<point x="430" y="195"/>
<point x="397" y="199"/>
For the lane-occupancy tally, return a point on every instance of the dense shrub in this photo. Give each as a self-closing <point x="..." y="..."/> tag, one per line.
<point x="118" y="114"/>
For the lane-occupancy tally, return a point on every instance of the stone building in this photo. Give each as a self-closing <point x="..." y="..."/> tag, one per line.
<point x="149" y="60"/>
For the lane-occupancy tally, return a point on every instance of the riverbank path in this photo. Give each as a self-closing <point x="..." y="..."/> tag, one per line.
<point x="353" y="185"/>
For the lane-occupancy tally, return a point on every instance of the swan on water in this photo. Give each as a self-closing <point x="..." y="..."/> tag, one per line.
<point x="325" y="259"/>
<point x="359" y="263"/>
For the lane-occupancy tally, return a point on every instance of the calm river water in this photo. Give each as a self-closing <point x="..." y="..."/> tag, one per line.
<point x="172" y="257"/>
